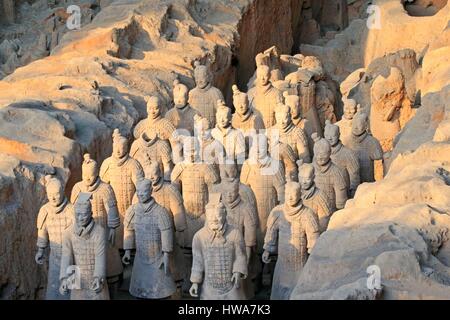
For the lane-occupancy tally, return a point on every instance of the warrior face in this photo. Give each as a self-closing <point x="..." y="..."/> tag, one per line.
<point x="263" y="75"/>
<point x="349" y="109"/>
<point x="154" y="173"/>
<point x="120" y="148"/>
<point x="223" y="118"/>
<point x="294" y="107"/>
<point x="241" y="105"/>
<point x="83" y="214"/>
<point x="231" y="192"/>
<point x="306" y="177"/>
<point x="215" y="217"/>
<point x="180" y="98"/>
<point x="55" y="194"/>
<point x="202" y="77"/>
<point x="332" y="134"/>
<point x="144" y="190"/>
<point x="293" y="194"/>
<point x="89" y="175"/>
<point x="259" y="147"/>
<point x="283" y="117"/>
<point x="153" y="108"/>
<point x="359" y="125"/>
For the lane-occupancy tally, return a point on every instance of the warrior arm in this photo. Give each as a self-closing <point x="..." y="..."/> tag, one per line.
<point x="289" y="158"/>
<point x="129" y="241"/>
<point x="100" y="254"/>
<point x="353" y="171"/>
<point x="137" y="173"/>
<point x="250" y="226"/>
<point x="240" y="262"/>
<point x="302" y="147"/>
<point x="166" y="159"/>
<point x="177" y="209"/>
<point x="279" y="186"/>
<point x="74" y="195"/>
<point x="43" y="237"/>
<point x="111" y="208"/>
<point x="340" y="189"/>
<point x="104" y="176"/>
<point x="67" y="254"/>
<point x="311" y="229"/>
<point x="377" y="151"/>
<point x="198" y="264"/>
<point x="166" y="228"/>
<point x="271" y="237"/>
<point x="240" y="148"/>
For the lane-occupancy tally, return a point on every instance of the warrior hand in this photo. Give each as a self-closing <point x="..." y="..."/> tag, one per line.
<point x="193" y="291"/>
<point x="266" y="256"/>
<point x="166" y="262"/>
<point x="97" y="285"/>
<point x="126" y="257"/>
<point x="236" y="279"/>
<point x="112" y="236"/>
<point x="64" y="288"/>
<point x="39" y="256"/>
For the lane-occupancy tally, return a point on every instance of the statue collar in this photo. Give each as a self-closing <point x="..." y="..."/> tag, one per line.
<point x="265" y="162"/>
<point x="360" y="138"/>
<point x="218" y="235"/>
<point x="288" y="128"/>
<point x="224" y="131"/>
<point x="290" y="211"/>
<point x="147" y="207"/>
<point x="121" y="161"/>
<point x="296" y="121"/>
<point x="264" y="89"/>
<point x="325" y="167"/>
<point x="148" y="142"/>
<point x="306" y="194"/>
<point x="235" y="203"/>
<point x="94" y="186"/>
<point x="84" y="232"/>
<point x="336" y="148"/>
<point x="59" y="208"/>
<point x="246" y="116"/>
<point x="205" y="88"/>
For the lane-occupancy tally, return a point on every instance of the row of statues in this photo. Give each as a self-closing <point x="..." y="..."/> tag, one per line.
<point x="205" y="198"/>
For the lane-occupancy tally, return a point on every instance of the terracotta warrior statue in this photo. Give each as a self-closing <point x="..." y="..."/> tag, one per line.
<point x="264" y="97"/>
<point x="345" y="124"/>
<point x="219" y="259"/>
<point x="343" y="157"/>
<point x="244" y="118"/>
<point x="292" y="231"/>
<point x="211" y="151"/>
<point x="244" y="218"/>
<point x="204" y="96"/>
<point x="283" y="152"/>
<point x="313" y="197"/>
<point x="193" y="179"/>
<point x="104" y="212"/>
<point x="232" y="140"/>
<point x="328" y="177"/>
<point x="168" y="197"/>
<point x="182" y="116"/>
<point x="391" y="108"/>
<point x="53" y="219"/>
<point x="149" y="148"/>
<point x="149" y="230"/>
<point x="155" y="122"/>
<point x="291" y="134"/>
<point x="265" y="177"/>
<point x="121" y="172"/>
<point x="293" y="102"/>
<point x="365" y="146"/>
<point x="84" y="252"/>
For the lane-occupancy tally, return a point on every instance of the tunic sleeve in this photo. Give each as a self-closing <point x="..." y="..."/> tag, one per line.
<point x="278" y="184"/>
<point x="240" y="261"/>
<point x="137" y="173"/>
<point x="302" y="147"/>
<point x="240" y="147"/>
<point x="100" y="253"/>
<point x="353" y="170"/>
<point x="271" y="238"/>
<point x="74" y="195"/>
<point x="177" y="209"/>
<point x="128" y="233"/>
<point x="377" y="151"/>
<point x="166" y="228"/>
<point x="250" y="226"/>
<point x="311" y="229"/>
<point x="198" y="264"/>
<point x="111" y="207"/>
<point x="104" y="171"/>
<point x="67" y="254"/>
<point x="340" y="189"/>
<point x="43" y="238"/>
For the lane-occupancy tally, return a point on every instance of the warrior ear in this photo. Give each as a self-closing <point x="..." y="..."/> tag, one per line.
<point x="315" y="137"/>
<point x="285" y="94"/>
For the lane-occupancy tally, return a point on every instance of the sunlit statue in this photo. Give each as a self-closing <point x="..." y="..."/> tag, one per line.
<point x="345" y="124"/>
<point x="219" y="258"/>
<point x="244" y="118"/>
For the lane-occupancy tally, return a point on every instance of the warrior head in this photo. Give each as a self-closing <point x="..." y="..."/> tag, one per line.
<point x="293" y="102"/>
<point x="83" y="209"/>
<point x="332" y="133"/>
<point x="283" y="116"/>
<point x="202" y="128"/>
<point x="155" y="174"/>
<point x="180" y="94"/>
<point x="305" y="175"/>
<point x="191" y="146"/>
<point x="215" y="212"/>
<point x="360" y="124"/>
<point x="293" y="196"/>
<point x="262" y="75"/>
<point x="89" y="170"/>
<point x="202" y="75"/>
<point x="120" y="145"/>
<point x="153" y="107"/>
<point x="350" y="108"/>
<point x="322" y="150"/>
<point x="240" y="101"/>
<point x="223" y="115"/>
<point x="144" y="190"/>
<point x="55" y="190"/>
<point x="258" y="146"/>
<point x="230" y="192"/>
